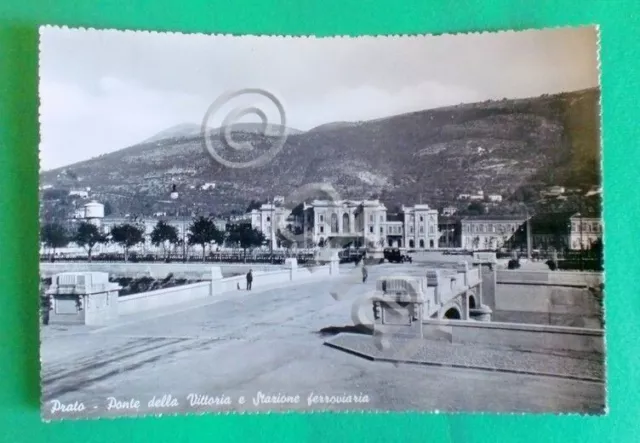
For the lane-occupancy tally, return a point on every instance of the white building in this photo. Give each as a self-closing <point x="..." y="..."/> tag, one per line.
<point x="360" y="223"/>
<point x="585" y="230"/>
<point x="449" y="211"/>
<point x="79" y="193"/>
<point x="268" y="219"/>
<point x="495" y="198"/>
<point x="489" y="232"/>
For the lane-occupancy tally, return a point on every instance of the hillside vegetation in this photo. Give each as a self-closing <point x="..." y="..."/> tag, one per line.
<point x="494" y="146"/>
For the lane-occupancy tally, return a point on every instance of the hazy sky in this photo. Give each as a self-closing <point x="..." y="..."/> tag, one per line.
<point x="105" y="90"/>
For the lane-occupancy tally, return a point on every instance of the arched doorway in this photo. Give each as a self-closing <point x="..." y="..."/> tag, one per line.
<point x="345" y="223"/>
<point x="421" y="244"/>
<point x="452" y="314"/>
<point x="334" y="223"/>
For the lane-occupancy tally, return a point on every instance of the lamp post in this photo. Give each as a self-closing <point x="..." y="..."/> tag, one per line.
<point x="174" y="196"/>
<point x="271" y="239"/>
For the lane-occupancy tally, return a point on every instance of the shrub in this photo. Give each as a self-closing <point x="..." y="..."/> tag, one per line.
<point x="513" y="264"/>
<point x="552" y="265"/>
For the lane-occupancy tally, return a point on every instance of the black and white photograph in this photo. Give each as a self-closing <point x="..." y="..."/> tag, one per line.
<point x="267" y="224"/>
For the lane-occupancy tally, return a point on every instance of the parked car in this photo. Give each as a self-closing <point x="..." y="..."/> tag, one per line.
<point x="393" y="255"/>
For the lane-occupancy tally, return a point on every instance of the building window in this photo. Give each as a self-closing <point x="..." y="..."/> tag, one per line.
<point x="421" y="229"/>
<point x="431" y="229"/>
<point x="410" y="229"/>
<point x="412" y="244"/>
<point x="382" y="218"/>
<point x="422" y="244"/>
<point x="421" y="218"/>
<point x="371" y="229"/>
<point x="371" y="218"/>
<point x="381" y="230"/>
<point x="431" y="244"/>
<point x="321" y="229"/>
<point x="345" y="223"/>
<point x="268" y="219"/>
<point x="321" y="218"/>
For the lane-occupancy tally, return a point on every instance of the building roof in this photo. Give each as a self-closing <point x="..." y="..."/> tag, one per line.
<point x="494" y="217"/>
<point x="586" y="214"/>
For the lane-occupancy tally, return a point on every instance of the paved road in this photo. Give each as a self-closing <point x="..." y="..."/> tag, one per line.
<point x="270" y="342"/>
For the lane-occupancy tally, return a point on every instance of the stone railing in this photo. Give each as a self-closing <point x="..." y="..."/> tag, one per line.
<point x="549" y="278"/>
<point x="212" y="284"/>
<point x="145" y="301"/>
<point x="190" y="271"/>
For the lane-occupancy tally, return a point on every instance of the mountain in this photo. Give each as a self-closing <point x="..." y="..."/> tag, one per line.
<point x="178" y="131"/>
<point x="433" y="155"/>
<point x="190" y="130"/>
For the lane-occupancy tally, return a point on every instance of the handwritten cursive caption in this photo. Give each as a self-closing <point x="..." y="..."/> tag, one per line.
<point x="198" y="400"/>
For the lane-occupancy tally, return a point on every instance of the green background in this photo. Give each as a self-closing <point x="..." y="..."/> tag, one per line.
<point x="19" y="366"/>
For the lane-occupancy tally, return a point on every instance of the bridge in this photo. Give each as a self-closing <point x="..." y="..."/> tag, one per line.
<point x="271" y="340"/>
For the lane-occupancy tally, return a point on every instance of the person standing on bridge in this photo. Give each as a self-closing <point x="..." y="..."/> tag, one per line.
<point x="365" y="273"/>
<point x="249" y="279"/>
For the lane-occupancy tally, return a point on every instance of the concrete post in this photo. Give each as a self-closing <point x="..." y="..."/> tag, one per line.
<point x="334" y="265"/>
<point x="216" y="275"/>
<point x="463" y="267"/>
<point x="291" y="264"/>
<point x="433" y="277"/>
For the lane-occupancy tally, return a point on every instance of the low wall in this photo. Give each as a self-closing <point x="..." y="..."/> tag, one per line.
<point x="525" y="337"/>
<point x="554" y="278"/>
<point x="191" y="271"/>
<point x="548" y="298"/>
<point x="131" y="304"/>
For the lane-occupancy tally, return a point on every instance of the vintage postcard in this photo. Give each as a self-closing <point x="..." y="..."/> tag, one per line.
<point x="272" y="224"/>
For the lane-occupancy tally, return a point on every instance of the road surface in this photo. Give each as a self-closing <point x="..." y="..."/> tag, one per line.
<point x="267" y="346"/>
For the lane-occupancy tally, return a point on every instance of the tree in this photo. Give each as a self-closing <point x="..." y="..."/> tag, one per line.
<point x="54" y="194"/>
<point x="54" y="236"/>
<point x="108" y="208"/>
<point x="284" y="240"/>
<point x="476" y="208"/>
<point x="88" y="236"/>
<point x="246" y="237"/>
<point x="254" y="204"/>
<point x="127" y="235"/>
<point x="525" y="194"/>
<point x="202" y="232"/>
<point x="163" y="234"/>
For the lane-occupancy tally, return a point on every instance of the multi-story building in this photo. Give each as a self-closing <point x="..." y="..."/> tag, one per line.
<point x="268" y="220"/>
<point x="585" y="230"/>
<point x="490" y="232"/>
<point x="359" y="223"/>
<point x="421" y="227"/>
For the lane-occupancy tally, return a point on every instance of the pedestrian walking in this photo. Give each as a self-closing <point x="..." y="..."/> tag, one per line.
<point x="365" y="273"/>
<point x="249" y="279"/>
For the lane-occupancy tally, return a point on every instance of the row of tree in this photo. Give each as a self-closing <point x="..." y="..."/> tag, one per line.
<point x="202" y="231"/>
